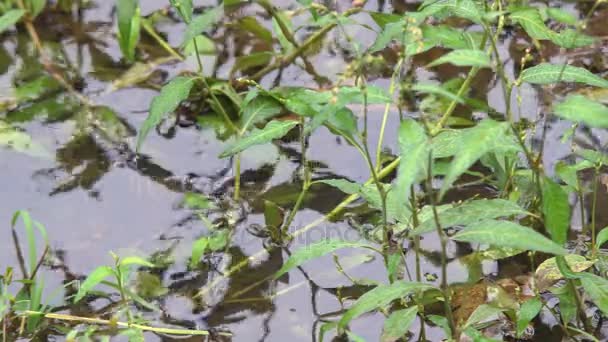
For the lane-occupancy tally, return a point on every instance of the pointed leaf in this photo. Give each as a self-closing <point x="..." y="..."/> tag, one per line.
<point x="602" y="237"/>
<point x="470" y="212"/>
<point x="478" y="141"/>
<point x="597" y="288"/>
<point x="533" y="23"/>
<point x="414" y="151"/>
<point x="257" y="110"/>
<point x="508" y="234"/>
<point x="578" y="108"/>
<point x="184" y="8"/>
<point x="202" y="23"/>
<point x="556" y="211"/>
<point x="96" y="277"/>
<point x="314" y="251"/>
<point x="379" y="297"/>
<point x="529" y="309"/>
<point x="546" y="73"/>
<point x="398" y="324"/>
<point x="273" y="130"/>
<point x="344" y="185"/>
<point x="464" y="57"/>
<point x="171" y="95"/>
<point x="482" y="313"/>
<point x="10" y="18"/>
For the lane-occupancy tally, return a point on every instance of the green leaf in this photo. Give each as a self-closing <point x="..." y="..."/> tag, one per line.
<point x="461" y="8"/>
<point x="478" y="141"/>
<point x="325" y="328"/>
<point x="196" y="201"/>
<point x="470" y="212"/>
<point x="597" y="288"/>
<point x="342" y="121"/>
<point x="135" y="260"/>
<point x="379" y="297"/>
<point x="96" y="277"/>
<point x="205" y="46"/>
<point x="128" y="13"/>
<point x="546" y="73"/>
<point x="250" y="24"/>
<point x="218" y="240"/>
<point x="429" y="88"/>
<point x="556" y="211"/>
<point x="314" y="251"/>
<point x="533" y="23"/>
<point x="184" y="8"/>
<point x="261" y="108"/>
<point x="414" y="151"/>
<point x="528" y="310"/>
<point x="343" y="185"/>
<point x="171" y="95"/>
<point x="10" y="18"/>
<point x="273" y="215"/>
<point x="483" y="312"/>
<point x="464" y="57"/>
<point x="202" y="23"/>
<point x="578" y="108"/>
<point x="303" y="101"/>
<point x="354" y="95"/>
<point x="570" y="39"/>
<point x="450" y="38"/>
<point x="198" y="250"/>
<point x="601" y="237"/>
<point x="273" y="130"/>
<point x="253" y="60"/>
<point x="398" y="324"/>
<point x="508" y="234"/>
<point x="34" y="7"/>
<point x="561" y="16"/>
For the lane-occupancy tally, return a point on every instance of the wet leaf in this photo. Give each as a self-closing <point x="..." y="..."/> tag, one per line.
<point x="578" y="108"/>
<point x="597" y="288"/>
<point x="476" y="58"/>
<point x="128" y="13"/>
<point x="10" y="18"/>
<point x="202" y="23"/>
<point x="96" y="277"/>
<point x="546" y="73"/>
<point x="379" y="297"/>
<point x="171" y="95"/>
<point x="478" y="141"/>
<point x="273" y="130"/>
<point x="470" y="212"/>
<point x="316" y="250"/>
<point x="218" y="240"/>
<point x="528" y="310"/>
<point x="556" y="211"/>
<point x="508" y="234"/>
<point x="548" y="273"/>
<point x="398" y="324"/>
<point x="342" y="122"/>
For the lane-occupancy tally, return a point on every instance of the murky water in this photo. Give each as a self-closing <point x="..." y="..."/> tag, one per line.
<point x="94" y="196"/>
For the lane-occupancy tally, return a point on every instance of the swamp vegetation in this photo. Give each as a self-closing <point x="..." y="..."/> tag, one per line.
<point x="304" y="170"/>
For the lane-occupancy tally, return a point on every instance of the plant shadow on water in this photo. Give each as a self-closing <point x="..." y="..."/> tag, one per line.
<point x="199" y="216"/>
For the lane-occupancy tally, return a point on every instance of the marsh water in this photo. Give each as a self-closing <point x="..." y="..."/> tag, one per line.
<point x="95" y="195"/>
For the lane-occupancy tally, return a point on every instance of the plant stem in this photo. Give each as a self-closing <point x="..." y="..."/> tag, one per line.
<point x="443" y="239"/>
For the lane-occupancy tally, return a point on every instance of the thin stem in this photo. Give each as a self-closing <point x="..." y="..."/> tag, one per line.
<point x="443" y="239"/>
<point x="237" y="177"/>
<point x="391" y="90"/>
<point x="593" y="213"/>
